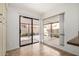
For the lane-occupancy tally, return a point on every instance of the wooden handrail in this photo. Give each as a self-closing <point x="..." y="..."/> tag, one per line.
<point x="74" y="41"/>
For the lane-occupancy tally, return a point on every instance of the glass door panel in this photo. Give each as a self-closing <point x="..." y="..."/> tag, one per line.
<point x="47" y="31"/>
<point x="51" y="33"/>
<point x="25" y="31"/>
<point x="55" y="33"/>
<point x="36" y="36"/>
<point x="55" y="30"/>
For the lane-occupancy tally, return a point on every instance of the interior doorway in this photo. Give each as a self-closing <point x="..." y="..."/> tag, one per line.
<point x="28" y="30"/>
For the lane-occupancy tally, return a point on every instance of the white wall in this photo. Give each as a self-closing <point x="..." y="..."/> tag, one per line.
<point x="13" y="25"/>
<point x="71" y="24"/>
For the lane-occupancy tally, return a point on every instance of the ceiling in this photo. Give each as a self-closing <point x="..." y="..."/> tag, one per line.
<point x="40" y="8"/>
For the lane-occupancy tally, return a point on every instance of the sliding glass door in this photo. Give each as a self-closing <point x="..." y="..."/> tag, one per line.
<point x="52" y="30"/>
<point x="29" y="30"/>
